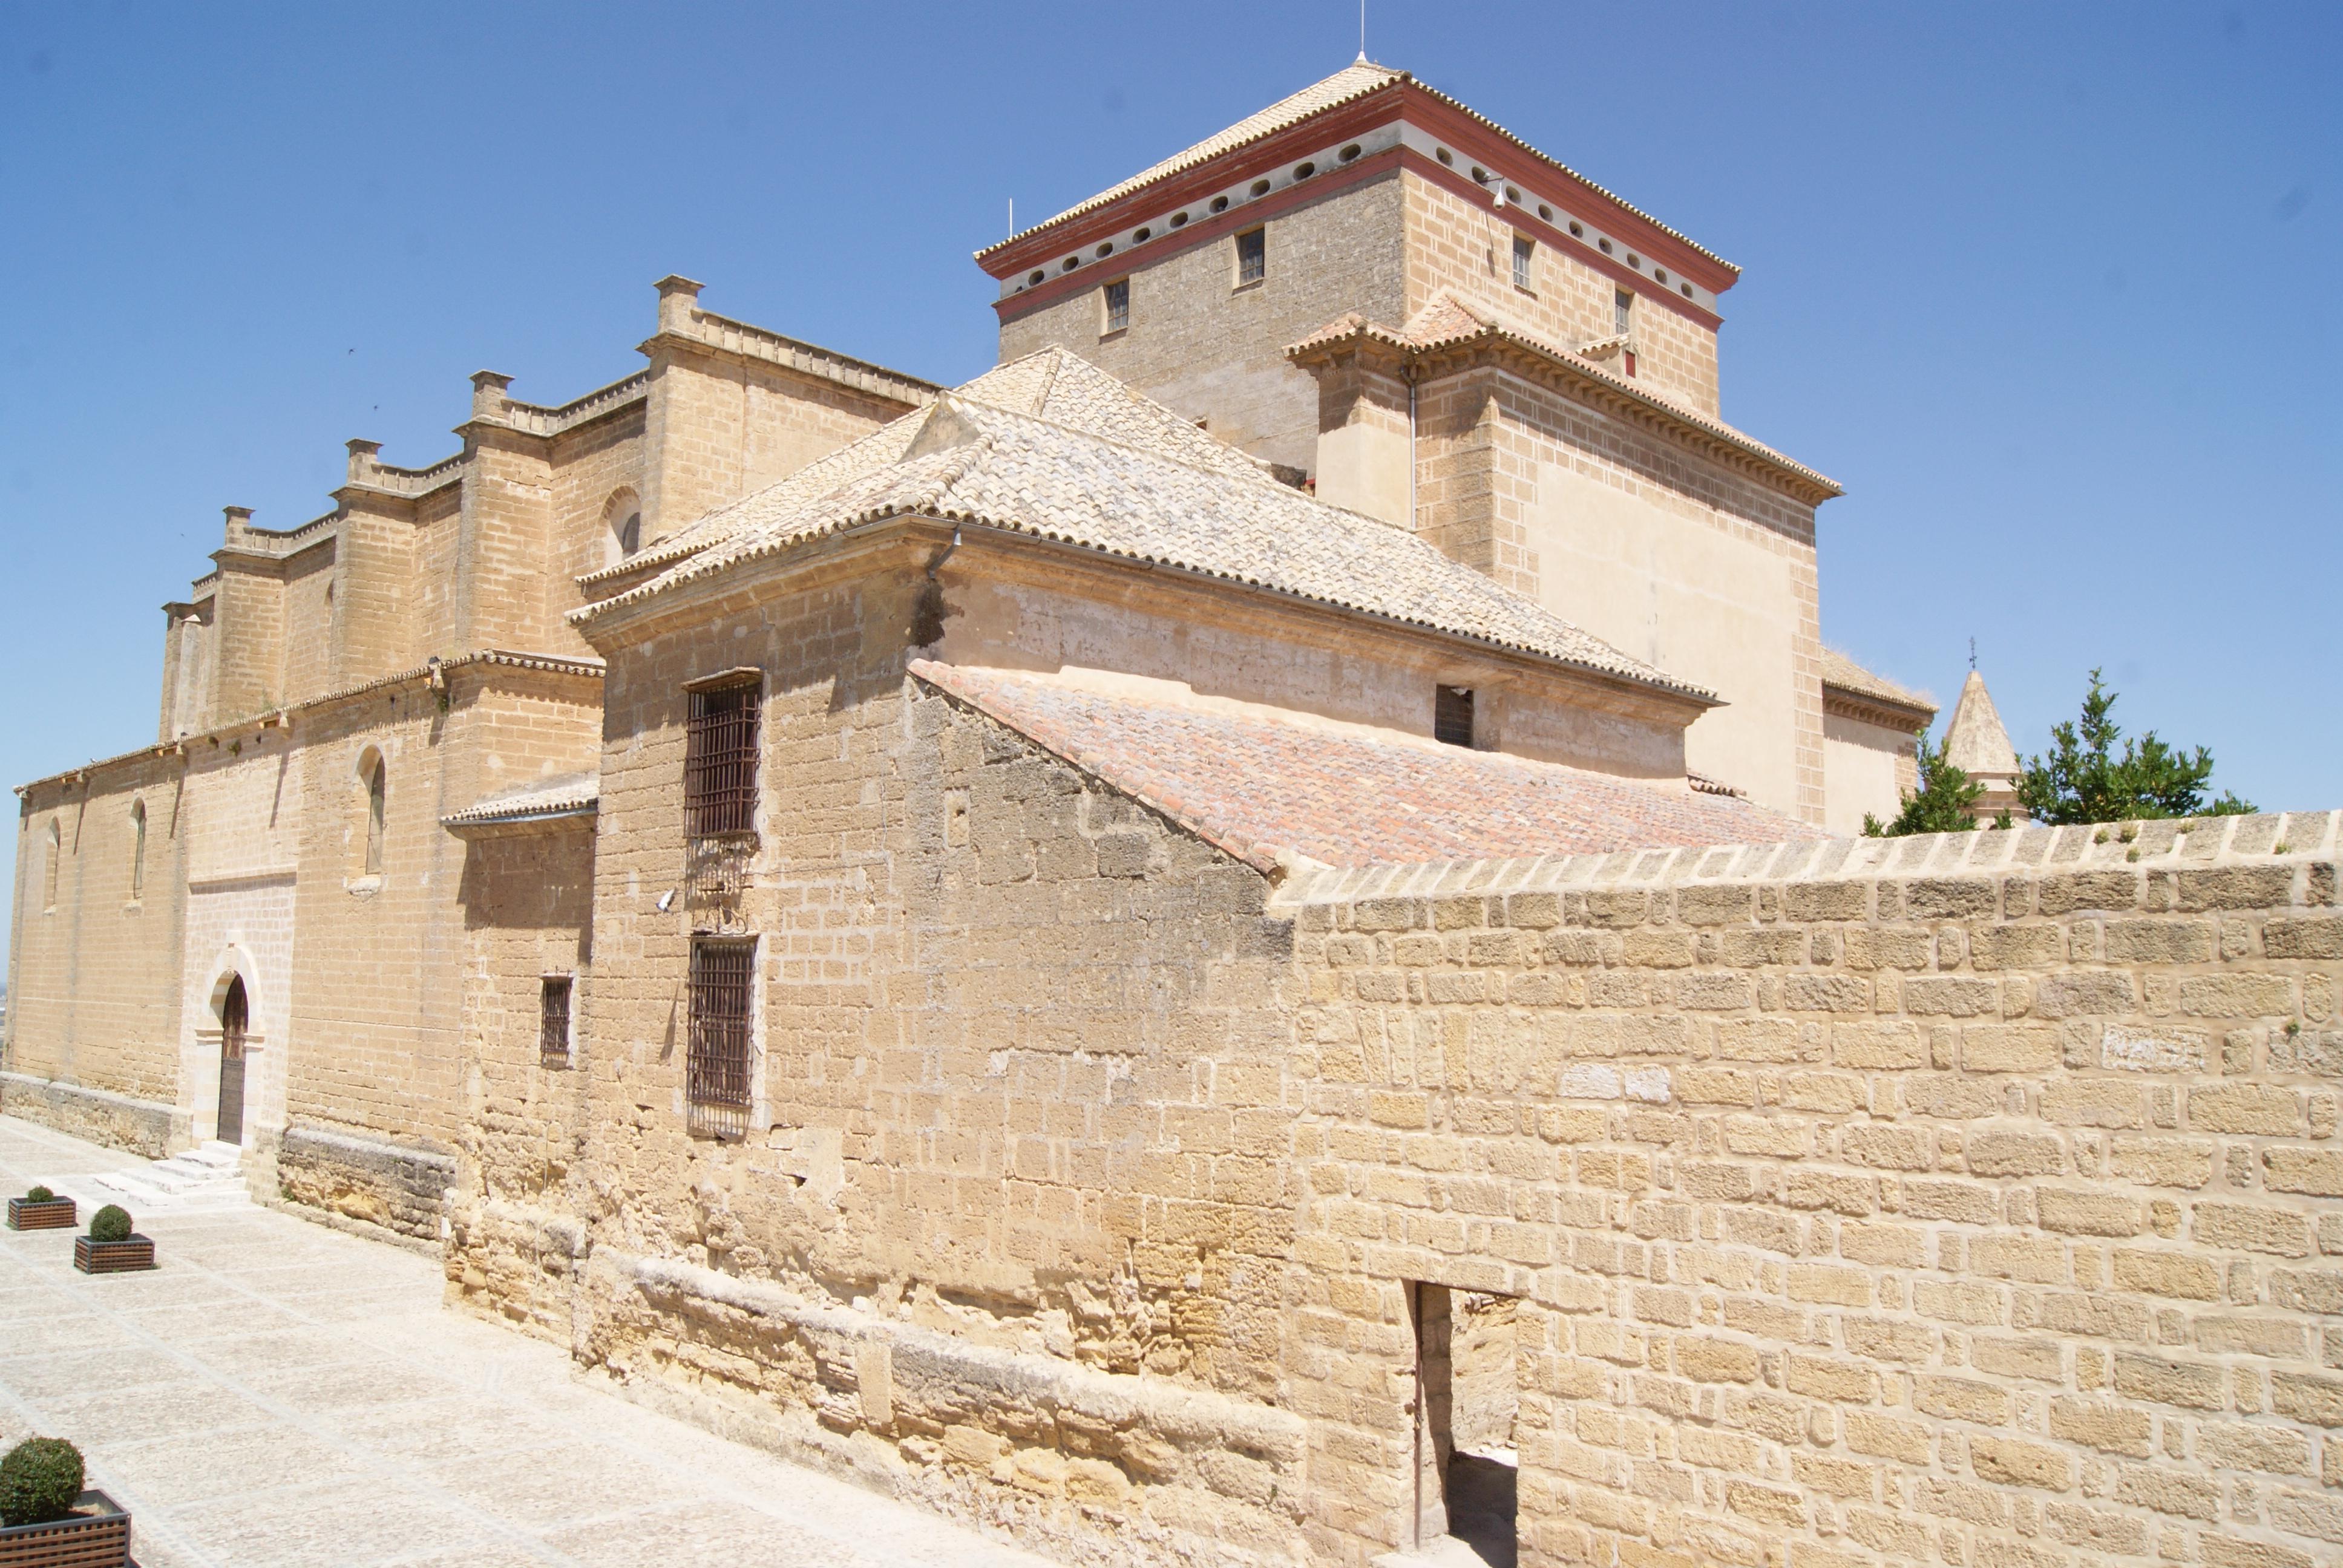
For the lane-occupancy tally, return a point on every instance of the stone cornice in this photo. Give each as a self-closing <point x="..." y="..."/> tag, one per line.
<point x="1541" y="364"/>
<point x="1842" y="703"/>
<point x="430" y="674"/>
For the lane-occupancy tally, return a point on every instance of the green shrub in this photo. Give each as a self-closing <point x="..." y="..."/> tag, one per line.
<point x="40" y="1195"/>
<point x="111" y="1223"/>
<point x="39" y="1480"/>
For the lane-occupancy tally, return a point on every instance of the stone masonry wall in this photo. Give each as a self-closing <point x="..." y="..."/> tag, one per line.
<point x="515" y="1232"/>
<point x="1456" y="243"/>
<point x="1201" y="344"/>
<point x="1973" y="1199"/>
<point x="1005" y="1233"/>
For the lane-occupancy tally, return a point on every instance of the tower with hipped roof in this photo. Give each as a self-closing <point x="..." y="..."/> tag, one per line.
<point x="1977" y="743"/>
<point x="1412" y="309"/>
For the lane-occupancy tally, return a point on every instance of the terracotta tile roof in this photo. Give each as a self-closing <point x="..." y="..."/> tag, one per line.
<point x="1354" y="81"/>
<point x="538" y="800"/>
<point x="1262" y="788"/>
<point x="1845" y="675"/>
<point x="1451" y="320"/>
<point x="1176" y="498"/>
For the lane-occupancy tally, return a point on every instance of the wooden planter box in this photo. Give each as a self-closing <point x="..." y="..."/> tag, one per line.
<point x="57" y="1214"/>
<point x="109" y="1257"/>
<point x="98" y="1536"/>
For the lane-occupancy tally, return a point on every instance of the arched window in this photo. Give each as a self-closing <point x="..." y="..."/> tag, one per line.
<point x="137" y="849"/>
<point x="49" y="874"/>
<point x="377" y="786"/>
<point x="622" y="514"/>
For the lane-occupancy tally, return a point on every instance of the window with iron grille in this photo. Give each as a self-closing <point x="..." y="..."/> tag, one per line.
<point x="553" y="1020"/>
<point x="1524" y="252"/>
<point x="716" y="1070"/>
<point x="1118" y="304"/>
<point x="1451" y="715"/>
<point x="1253" y="255"/>
<point x="1622" y="310"/>
<point x="719" y="766"/>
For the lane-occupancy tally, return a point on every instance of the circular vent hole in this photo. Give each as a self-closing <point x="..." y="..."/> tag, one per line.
<point x="1141" y="235"/>
<point x="1447" y="157"/>
<point x="1546" y="212"/>
<point x="1578" y="231"/>
<point x="1684" y="289"/>
<point x="1260" y="188"/>
<point x="1106" y="249"/>
<point x="1605" y="244"/>
<point x="1304" y="171"/>
<point x="1037" y="277"/>
<point x="1071" y="263"/>
<point x="1347" y="153"/>
<point x="1220" y="204"/>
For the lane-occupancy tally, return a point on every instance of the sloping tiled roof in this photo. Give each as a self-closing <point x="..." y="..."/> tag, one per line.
<point x="1355" y="80"/>
<point x="1453" y="320"/>
<point x="1260" y="788"/>
<point x="1352" y="81"/>
<point x="540" y="801"/>
<point x="1184" y="507"/>
<point x="1840" y="671"/>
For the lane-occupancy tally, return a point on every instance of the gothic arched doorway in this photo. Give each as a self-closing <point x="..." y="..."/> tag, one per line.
<point x="235" y="1021"/>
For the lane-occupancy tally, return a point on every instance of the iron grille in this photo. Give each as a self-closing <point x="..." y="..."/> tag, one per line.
<point x="716" y="1072"/>
<point x="719" y="766"/>
<point x="1524" y="251"/>
<point x="553" y="1020"/>
<point x="1451" y="715"/>
<point x="1118" y="304"/>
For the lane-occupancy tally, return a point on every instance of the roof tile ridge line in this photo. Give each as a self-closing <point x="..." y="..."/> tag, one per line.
<point x="1050" y="378"/>
<point x="1265" y="865"/>
<point x="1176" y="167"/>
<point x="1248" y="476"/>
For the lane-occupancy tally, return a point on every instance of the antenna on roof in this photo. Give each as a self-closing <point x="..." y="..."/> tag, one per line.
<point x="1013" y="215"/>
<point x="1362" y="33"/>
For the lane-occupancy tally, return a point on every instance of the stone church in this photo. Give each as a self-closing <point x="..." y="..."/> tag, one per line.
<point x="1082" y="946"/>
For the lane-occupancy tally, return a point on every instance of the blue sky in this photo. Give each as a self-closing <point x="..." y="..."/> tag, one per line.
<point x="2050" y="289"/>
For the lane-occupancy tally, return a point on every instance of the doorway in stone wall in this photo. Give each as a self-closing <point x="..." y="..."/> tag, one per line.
<point x="235" y="1024"/>
<point x="1468" y="1404"/>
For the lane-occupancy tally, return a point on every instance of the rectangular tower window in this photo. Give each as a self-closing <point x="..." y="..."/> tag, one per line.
<point x="553" y="1020"/>
<point x="1525" y="251"/>
<point x="1253" y="256"/>
<point x="1118" y="304"/>
<point x="1451" y="715"/>
<point x="716" y="1070"/>
<point x="1622" y="307"/>
<point x="720" y="760"/>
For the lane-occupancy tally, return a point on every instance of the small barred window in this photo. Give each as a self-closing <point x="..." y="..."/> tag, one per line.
<point x="1118" y="304"/>
<point x="719" y="766"/>
<point x="1451" y="715"/>
<point x="553" y="1020"/>
<point x="716" y="1071"/>
<point x="1524" y="252"/>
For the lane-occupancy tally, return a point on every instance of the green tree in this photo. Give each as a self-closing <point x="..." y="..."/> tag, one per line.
<point x="1940" y="805"/>
<point x="2084" y="779"/>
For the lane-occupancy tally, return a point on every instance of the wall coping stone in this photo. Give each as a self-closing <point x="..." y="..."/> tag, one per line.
<point x="2193" y="844"/>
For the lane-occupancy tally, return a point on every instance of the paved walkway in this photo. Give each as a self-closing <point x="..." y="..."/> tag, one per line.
<point x="277" y="1393"/>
